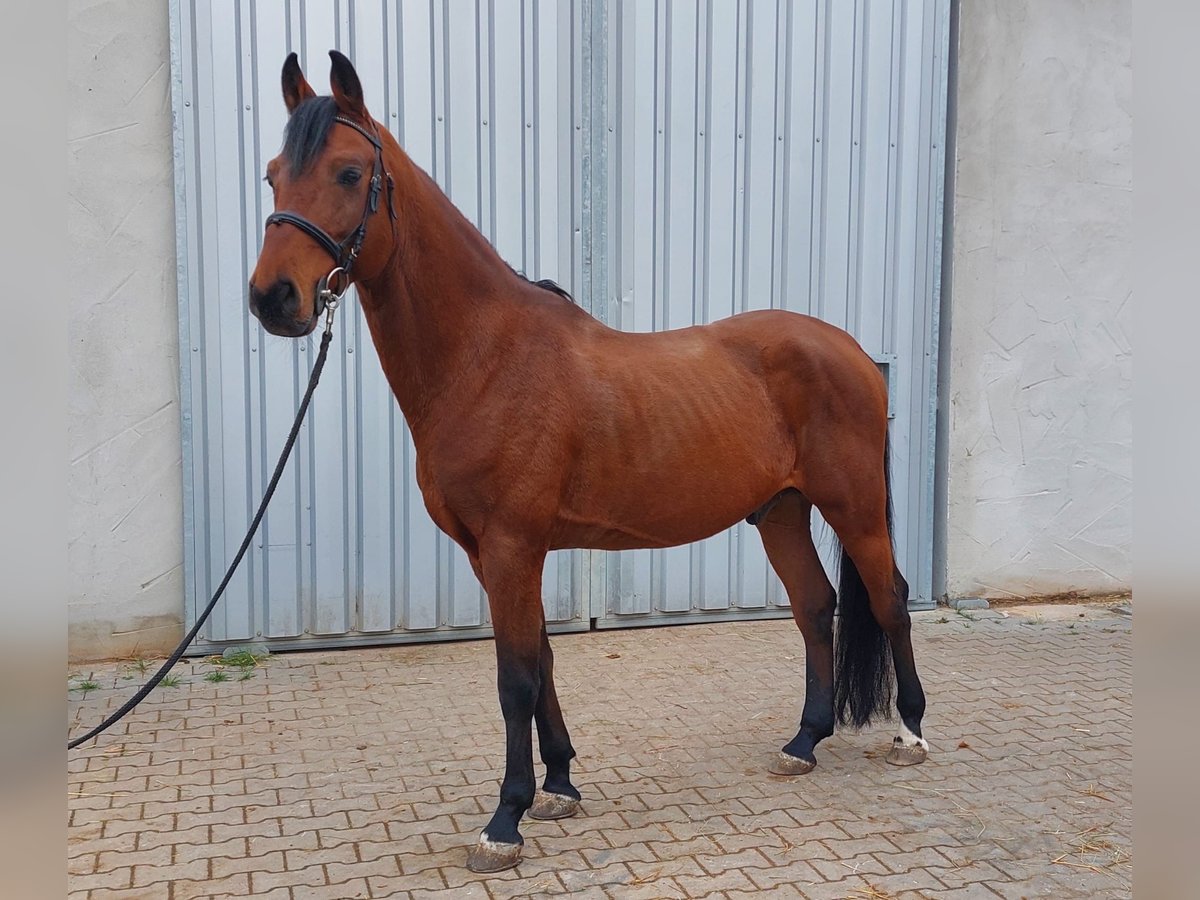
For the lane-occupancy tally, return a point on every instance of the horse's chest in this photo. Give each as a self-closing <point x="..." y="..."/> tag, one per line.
<point x="455" y="494"/>
<point x="435" y="497"/>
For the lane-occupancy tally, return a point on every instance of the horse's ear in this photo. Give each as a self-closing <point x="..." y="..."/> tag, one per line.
<point x="347" y="89"/>
<point x="295" y="89"/>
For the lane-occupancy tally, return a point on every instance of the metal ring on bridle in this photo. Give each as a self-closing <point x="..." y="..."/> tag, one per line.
<point x="329" y="294"/>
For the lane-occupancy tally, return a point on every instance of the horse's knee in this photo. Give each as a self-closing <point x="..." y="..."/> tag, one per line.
<point x="822" y="613"/>
<point x="815" y="621"/>
<point x="518" y="682"/>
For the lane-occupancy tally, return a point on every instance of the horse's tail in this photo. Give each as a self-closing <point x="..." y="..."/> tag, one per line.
<point x="862" y="655"/>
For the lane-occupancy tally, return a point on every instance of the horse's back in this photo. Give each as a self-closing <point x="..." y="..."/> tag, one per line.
<point x="755" y="331"/>
<point x="691" y="429"/>
<point x="791" y="354"/>
<point x="803" y="337"/>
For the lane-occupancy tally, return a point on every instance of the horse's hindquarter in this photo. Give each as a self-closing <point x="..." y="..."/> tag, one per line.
<point x="684" y="433"/>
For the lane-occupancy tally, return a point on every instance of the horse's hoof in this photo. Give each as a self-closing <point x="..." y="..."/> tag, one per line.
<point x="902" y="755"/>
<point x="552" y="806"/>
<point x="492" y="856"/>
<point x="786" y="764"/>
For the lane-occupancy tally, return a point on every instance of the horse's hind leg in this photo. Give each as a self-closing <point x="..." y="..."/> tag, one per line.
<point x="558" y="797"/>
<point x="908" y="747"/>
<point x="874" y="620"/>
<point x="787" y="536"/>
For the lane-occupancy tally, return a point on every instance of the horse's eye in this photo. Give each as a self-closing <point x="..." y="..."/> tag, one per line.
<point x="349" y="177"/>
<point x="267" y="179"/>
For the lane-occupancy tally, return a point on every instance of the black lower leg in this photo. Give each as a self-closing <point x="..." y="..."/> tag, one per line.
<point x="787" y="538"/>
<point x="910" y="696"/>
<point x="518" y="682"/>
<point x="553" y="740"/>
<point x="816" y="720"/>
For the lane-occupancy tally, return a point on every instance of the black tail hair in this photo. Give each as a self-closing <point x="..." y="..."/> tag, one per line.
<point x="864" y="675"/>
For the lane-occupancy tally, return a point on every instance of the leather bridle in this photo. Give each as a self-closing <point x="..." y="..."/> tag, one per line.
<point x="346" y="251"/>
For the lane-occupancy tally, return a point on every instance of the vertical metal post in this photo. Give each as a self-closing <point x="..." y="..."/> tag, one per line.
<point x="931" y="532"/>
<point x="180" y="109"/>
<point x="595" y="190"/>
<point x="594" y="180"/>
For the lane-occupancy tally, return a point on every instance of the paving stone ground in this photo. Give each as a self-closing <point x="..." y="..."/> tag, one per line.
<point x="368" y="773"/>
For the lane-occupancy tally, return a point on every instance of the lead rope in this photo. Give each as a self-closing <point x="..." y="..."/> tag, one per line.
<point x="331" y="304"/>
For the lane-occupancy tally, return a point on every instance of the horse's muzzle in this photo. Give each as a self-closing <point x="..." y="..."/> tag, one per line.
<point x="277" y="307"/>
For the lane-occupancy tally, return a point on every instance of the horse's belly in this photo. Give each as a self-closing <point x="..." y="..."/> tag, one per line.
<point x="640" y="535"/>
<point x="672" y="496"/>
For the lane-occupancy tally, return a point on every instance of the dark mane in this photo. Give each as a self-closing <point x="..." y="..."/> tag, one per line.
<point x="306" y="132"/>
<point x="553" y="287"/>
<point x="546" y="284"/>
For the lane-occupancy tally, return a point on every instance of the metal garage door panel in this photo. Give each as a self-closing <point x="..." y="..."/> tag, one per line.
<point x="713" y="157"/>
<point x="777" y="155"/>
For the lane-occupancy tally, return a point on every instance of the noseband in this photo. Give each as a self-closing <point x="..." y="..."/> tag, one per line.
<point x="345" y="252"/>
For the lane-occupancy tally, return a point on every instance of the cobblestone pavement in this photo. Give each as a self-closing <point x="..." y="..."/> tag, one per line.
<point x="368" y="773"/>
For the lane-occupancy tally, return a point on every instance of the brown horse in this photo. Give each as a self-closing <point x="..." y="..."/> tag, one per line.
<point x="538" y="428"/>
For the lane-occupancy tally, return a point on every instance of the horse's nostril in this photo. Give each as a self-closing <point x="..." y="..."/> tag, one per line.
<point x="279" y="301"/>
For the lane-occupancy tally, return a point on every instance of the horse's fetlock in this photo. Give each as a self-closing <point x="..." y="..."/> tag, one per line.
<point x="518" y="796"/>
<point x="912" y="708"/>
<point x="820" y="728"/>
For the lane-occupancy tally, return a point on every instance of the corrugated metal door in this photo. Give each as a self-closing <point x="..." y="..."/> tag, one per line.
<point x="482" y="96"/>
<point x="787" y="155"/>
<point x="668" y="162"/>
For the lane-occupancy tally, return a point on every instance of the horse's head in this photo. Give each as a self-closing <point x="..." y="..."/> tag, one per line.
<point x="329" y="182"/>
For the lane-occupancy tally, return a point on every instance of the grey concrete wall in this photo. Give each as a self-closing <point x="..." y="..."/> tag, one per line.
<point x="125" y="517"/>
<point x="1037" y="365"/>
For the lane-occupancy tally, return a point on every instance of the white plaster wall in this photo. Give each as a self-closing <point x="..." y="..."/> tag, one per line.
<point x="1037" y="373"/>
<point x="125" y="516"/>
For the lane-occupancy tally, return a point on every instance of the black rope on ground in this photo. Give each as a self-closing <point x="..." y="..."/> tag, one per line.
<point x="262" y="508"/>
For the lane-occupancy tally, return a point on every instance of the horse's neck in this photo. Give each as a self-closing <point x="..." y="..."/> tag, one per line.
<point x="440" y="303"/>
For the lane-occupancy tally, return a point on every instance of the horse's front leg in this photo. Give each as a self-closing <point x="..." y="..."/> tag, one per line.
<point x="512" y="579"/>
<point x="558" y="797"/>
